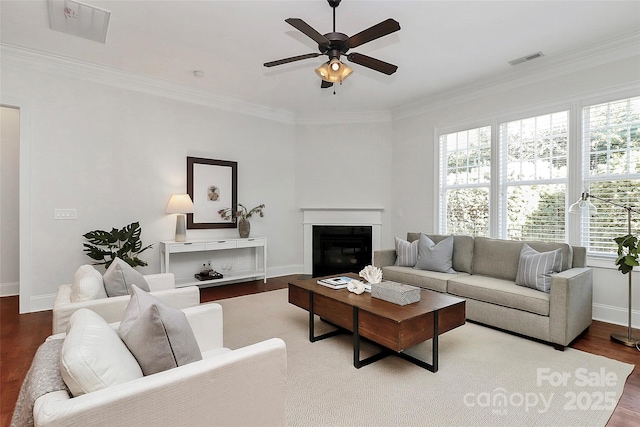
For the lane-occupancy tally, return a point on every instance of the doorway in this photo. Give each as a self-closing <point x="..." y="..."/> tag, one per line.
<point x="9" y="201"/>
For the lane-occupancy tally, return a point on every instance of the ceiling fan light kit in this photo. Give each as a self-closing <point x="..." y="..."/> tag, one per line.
<point x="335" y="44"/>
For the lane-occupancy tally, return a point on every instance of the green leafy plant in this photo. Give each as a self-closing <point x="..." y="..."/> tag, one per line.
<point x="628" y="253"/>
<point x="124" y="243"/>
<point x="242" y="212"/>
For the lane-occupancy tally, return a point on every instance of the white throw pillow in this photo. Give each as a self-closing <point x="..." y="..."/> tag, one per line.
<point x="87" y="284"/>
<point x="93" y="356"/>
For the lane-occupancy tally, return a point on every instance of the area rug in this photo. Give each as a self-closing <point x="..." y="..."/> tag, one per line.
<point x="485" y="378"/>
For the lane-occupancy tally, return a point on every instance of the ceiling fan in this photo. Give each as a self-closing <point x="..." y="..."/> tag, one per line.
<point x="335" y="44"/>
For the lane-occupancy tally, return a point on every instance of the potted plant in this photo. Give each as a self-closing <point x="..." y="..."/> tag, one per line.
<point x="124" y="243"/>
<point x="628" y="253"/>
<point x="242" y="215"/>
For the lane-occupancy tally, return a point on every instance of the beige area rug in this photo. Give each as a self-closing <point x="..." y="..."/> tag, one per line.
<point x="485" y="378"/>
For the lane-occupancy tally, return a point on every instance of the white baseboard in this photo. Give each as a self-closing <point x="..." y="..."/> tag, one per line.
<point x="8" y="289"/>
<point x="42" y="302"/>
<point x="615" y="315"/>
<point x="284" y="270"/>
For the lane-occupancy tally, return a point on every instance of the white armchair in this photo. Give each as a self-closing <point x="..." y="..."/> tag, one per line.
<point x="162" y="286"/>
<point x="243" y="387"/>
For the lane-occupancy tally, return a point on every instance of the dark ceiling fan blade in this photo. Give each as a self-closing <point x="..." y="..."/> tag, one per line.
<point x="374" y="64"/>
<point x="325" y="85"/>
<point x="307" y="30"/>
<point x="292" y="59"/>
<point x="379" y="30"/>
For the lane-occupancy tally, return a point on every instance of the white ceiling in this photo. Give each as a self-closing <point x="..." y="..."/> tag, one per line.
<point x="442" y="44"/>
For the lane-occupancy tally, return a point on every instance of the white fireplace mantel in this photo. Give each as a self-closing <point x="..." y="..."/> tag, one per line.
<point x="363" y="216"/>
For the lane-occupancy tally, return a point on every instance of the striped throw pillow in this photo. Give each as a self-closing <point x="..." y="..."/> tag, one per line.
<point x="535" y="268"/>
<point x="406" y="253"/>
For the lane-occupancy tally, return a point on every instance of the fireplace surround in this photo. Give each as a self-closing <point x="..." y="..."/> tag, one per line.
<point x="354" y="217"/>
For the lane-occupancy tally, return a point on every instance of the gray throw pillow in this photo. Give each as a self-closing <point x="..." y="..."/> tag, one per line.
<point x="159" y="337"/>
<point x="435" y="257"/>
<point x="406" y="253"/>
<point x="120" y="276"/>
<point x="535" y="268"/>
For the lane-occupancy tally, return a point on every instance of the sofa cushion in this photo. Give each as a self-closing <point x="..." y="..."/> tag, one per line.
<point x="93" y="356"/>
<point x="462" y="249"/>
<point x="500" y="258"/>
<point x="87" y="284"/>
<point x="159" y="336"/>
<point x="432" y="280"/>
<point x="406" y="253"/>
<point x="501" y="292"/>
<point x="435" y="256"/>
<point x="120" y="276"/>
<point x="535" y="268"/>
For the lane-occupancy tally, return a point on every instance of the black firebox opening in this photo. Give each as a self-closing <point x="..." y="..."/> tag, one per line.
<point x="341" y="249"/>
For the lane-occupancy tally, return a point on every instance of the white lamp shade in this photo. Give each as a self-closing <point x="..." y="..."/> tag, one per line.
<point x="180" y="203"/>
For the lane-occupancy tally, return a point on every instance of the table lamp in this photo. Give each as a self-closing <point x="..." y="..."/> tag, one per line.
<point x="180" y="204"/>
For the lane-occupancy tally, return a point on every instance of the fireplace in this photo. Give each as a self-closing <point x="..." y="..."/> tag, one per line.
<point x="370" y="217"/>
<point x="341" y="249"/>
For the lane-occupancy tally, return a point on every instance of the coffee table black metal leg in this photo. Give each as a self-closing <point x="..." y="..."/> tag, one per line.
<point x="356" y="346"/>
<point x="312" y="337"/>
<point x="433" y="366"/>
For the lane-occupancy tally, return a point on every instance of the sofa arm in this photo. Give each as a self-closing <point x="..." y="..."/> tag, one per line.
<point x="160" y="281"/>
<point x="240" y="388"/>
<point x="112" y="309"/>
<point x="570" y="304"/>
<point x="384" y="258"/>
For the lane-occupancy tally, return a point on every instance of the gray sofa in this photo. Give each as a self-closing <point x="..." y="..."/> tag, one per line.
<point x="485" y="276"/>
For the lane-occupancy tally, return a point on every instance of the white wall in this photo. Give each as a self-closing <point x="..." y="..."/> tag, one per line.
<point x="116" y="155"/>
<point x="415" y="185"/>
<point x="345" y="166"/>
<point x="9" y="202"/>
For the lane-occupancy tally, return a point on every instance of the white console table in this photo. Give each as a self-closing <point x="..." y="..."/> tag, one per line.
<point x="197" y="249"/>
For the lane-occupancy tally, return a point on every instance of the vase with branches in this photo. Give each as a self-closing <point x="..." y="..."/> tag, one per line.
<point x="241" y="215"/>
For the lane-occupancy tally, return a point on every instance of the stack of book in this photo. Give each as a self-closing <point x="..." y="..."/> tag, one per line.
<point x="335" y="282"/>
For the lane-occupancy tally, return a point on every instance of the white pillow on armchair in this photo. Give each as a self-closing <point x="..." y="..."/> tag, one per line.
<point x="87" y="284"/>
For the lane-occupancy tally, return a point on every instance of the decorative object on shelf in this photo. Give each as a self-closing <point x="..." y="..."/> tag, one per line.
<point x="242" y="215"/>
<point x="212" y="184"/>
<point x="628" y="253"/>
<point x="356" y="286"/>
<point x="125" y="244"/>
<point x="371" y="274"/>
<point x="180" y="204"/>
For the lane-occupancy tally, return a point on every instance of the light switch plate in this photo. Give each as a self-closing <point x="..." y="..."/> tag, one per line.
<point x="65" y="214"/>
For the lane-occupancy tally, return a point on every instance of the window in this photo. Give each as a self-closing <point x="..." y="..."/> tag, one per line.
<point x="465" y="174"/>
<point x="611" y="171"/>
<point x="534" y="178"/>
<point x="528" y="160"/>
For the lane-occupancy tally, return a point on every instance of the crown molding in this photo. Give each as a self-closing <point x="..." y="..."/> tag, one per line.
<point x="344" y="117"/>
<point x="619" y="48"/>
<point x="70" y="68"/>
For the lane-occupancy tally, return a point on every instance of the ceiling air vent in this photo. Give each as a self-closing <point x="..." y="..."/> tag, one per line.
<point x="526" y="58"/>
<point x="79" y="19"/>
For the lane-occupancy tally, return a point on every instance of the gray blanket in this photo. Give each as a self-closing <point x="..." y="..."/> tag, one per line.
<point x="43" y="377"/>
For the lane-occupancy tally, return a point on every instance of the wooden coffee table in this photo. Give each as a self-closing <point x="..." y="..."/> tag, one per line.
<point x="393" y="327"/>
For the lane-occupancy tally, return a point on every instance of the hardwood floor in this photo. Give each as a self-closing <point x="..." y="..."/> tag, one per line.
<point x="21" y="335"/>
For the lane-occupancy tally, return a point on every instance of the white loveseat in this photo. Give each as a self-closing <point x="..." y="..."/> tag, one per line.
<point x="162" y="286"/>
<point x="243" y="387"/>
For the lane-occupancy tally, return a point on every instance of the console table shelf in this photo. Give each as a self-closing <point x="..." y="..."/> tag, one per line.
<point x="195" y="250"/>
